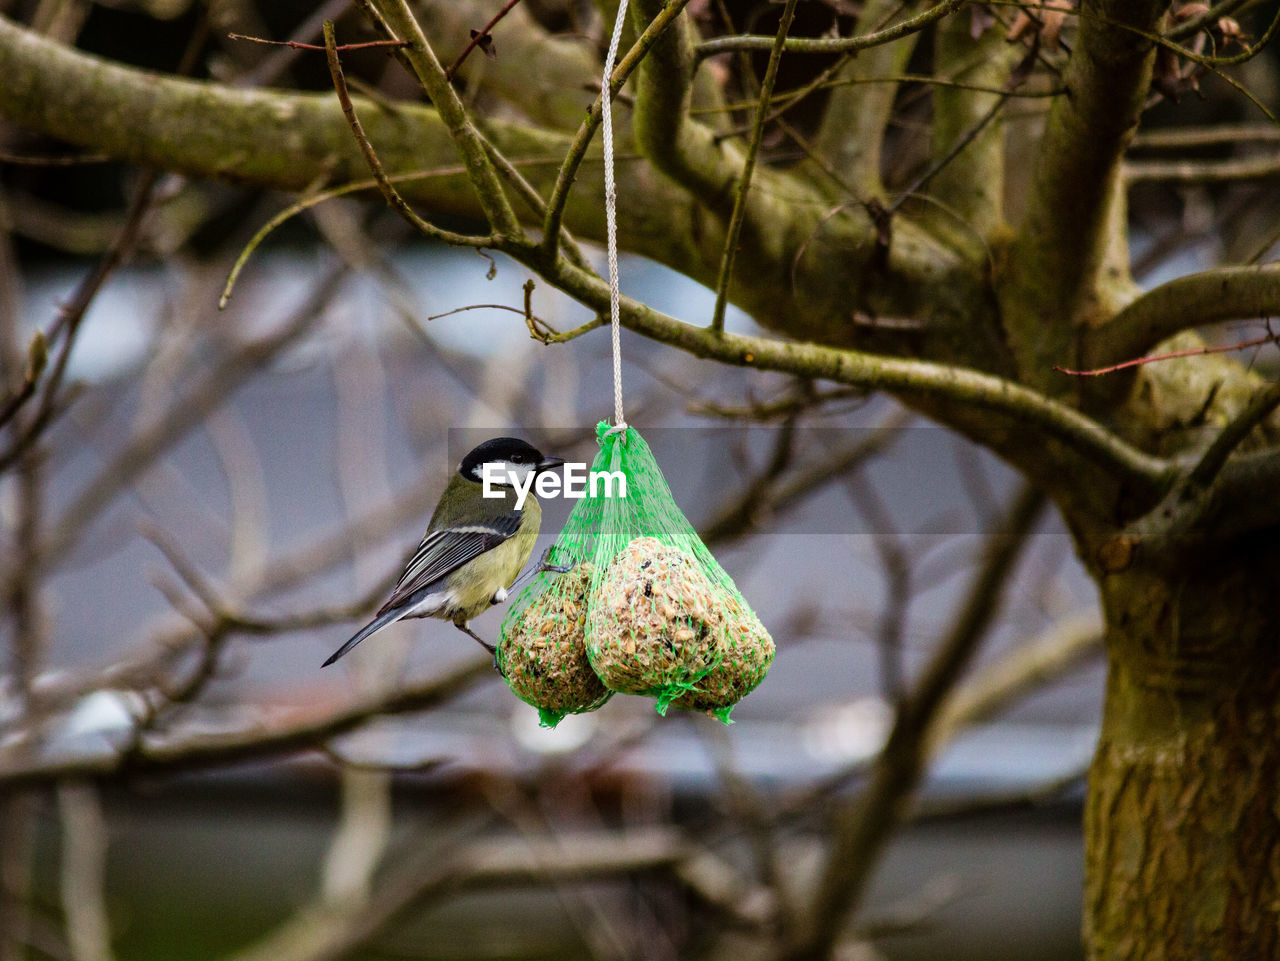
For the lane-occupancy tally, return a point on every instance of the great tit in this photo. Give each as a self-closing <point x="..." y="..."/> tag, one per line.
<point x="475" y="546"/>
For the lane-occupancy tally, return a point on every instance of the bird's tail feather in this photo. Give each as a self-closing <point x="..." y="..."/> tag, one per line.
<point x="375" y="625"/>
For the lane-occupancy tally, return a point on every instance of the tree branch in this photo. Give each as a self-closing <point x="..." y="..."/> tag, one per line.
<point x="1209" y="297"/>
<point x="856" y="117"/>
<point x="480" y="170"/>
<point x="547" y="76"/>
<point x="289" y="141"/>
<point x="729" y="253"/>
<point x="389" y="192"/>
<point x="1201" y="171"/>
<point x="1231" y="437"/>
<point x="664" y="131"/>
<point x="578" y="149"/>
<point x="909" y="378"/>
<point x="971" y="183"/>
<point x="838" y="44"/>
<point x="22" y="763"/>
<point x="1060" y="245"/>
<point x="863" y="829"/>
<point x="773" y="492"/>
<point x="1024" y="669"/>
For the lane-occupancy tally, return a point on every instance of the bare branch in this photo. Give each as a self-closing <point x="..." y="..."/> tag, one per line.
<point x="1201" y="171"/>
<point x="37" y="357"/>
<point x="863" y="829"/>
<point x="578" y="149"/>
<point x="730" y="250"/>
<point x="327" y="933"/>
<point x="664" y="131"/>
<point x="1061" y="243"/>
<point x="1196" y="300"/>
<point x="1231" y="436"/>
<point x="479" y="37"/>
<point x="21" y="763"/>
<point x="149" y="442"/>
<point x="389" y="192"/>
<point x="1172" y="355"/>
<point x="773" y="492"/>
<point x="484" y="178"/>
<point x="1180" y="138"/>
<point x="856" y="120"/>
<point x="1023" y="670"/>
<point x="905" y="377"/>
<point x="836" y="45"/>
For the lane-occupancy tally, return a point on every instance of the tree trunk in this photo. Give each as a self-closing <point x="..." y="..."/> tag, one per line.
<point x="1183" y="820"/>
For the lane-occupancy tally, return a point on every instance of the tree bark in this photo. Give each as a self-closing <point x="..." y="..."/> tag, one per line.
<point x="1182" y="823"/>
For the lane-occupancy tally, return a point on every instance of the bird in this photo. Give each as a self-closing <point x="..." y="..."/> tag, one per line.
<point x="475" y="546"/>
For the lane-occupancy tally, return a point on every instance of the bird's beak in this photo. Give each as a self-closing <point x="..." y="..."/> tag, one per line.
<point x="549" y="463"/>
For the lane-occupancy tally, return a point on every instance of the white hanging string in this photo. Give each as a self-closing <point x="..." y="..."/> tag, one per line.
<point x="611" y="212"/>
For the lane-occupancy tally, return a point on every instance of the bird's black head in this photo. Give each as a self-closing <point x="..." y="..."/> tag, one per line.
<point x="512" y="458"/>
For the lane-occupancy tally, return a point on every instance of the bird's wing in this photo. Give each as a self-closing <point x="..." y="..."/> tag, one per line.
<point x="442" y="552"/>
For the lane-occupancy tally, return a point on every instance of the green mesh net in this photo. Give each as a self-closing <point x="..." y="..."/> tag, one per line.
<point x="642" y="608"/>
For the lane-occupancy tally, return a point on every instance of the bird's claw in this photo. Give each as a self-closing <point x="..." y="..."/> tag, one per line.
<point x="545" y="565"/>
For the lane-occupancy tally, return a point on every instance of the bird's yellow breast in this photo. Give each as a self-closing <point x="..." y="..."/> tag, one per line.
<point x="475" y="584"/>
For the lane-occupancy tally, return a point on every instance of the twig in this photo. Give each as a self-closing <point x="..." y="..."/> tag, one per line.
<point x="764" y="411"/>
<point x="479" y="37"/>
<point x="529" y="194"/>
<point x="1184" y="303"/>
<point x="1179" y="138"/>
<point x="1231" y="436"/>
<point x="784" y="101"/>
<point x="205" y="749"/>
<point x="67" y="324"/>
<point x="578" y="149"/>
<point x="306" y="203"/>
<point x="961" y="143"/>
<point x="37" y="357"/>
<point x="863" y="830"/>
<point x="227" y="620"/>
<point x="834" y="45"/>
<point x="1172" y="355"/>
<point x="389" y="192"/>
<point x="18" y="160"/>
<point x="1189" y="28"/>
<point x="267" y="72"/>
<point x="730" y="249"/>
<point x="397" y="17"/>
<point x="343" y="48"/>
<point x="1201" y="171"/>
<point x="895" y="560"/>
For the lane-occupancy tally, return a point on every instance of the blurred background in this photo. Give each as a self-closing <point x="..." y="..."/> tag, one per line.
<point x="221" y="497"/>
